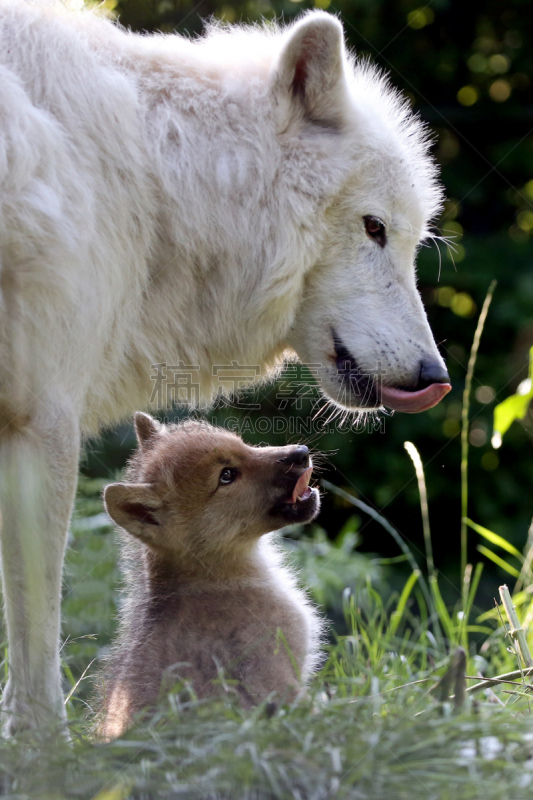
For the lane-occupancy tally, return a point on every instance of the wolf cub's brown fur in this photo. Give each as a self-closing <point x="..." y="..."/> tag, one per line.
<point x="206" y="589"/>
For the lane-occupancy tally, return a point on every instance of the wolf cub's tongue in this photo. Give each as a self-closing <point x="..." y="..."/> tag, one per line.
<point x="302" y="490"/>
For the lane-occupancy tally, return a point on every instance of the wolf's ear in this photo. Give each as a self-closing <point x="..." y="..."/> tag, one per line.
<point x="146" y="429"/>
<point x="309" y="81"/>
<point x="134" y="507"/>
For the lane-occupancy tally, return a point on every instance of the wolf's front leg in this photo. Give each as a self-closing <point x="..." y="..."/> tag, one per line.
<point x="38" y="472"/>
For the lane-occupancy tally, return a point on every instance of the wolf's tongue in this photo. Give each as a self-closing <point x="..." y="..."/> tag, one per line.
<point x="301" y="484"/>
<point x="399" y="400"/>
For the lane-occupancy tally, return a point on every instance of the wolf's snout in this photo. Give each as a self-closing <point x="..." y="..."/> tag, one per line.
<point x="432" y="372"/>
<point x="299" y="456"/>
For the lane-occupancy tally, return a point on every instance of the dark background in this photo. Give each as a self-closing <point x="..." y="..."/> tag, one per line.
<point x="466" y="68"/>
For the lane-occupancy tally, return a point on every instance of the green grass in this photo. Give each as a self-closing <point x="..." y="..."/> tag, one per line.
<point x="355" y="735"/>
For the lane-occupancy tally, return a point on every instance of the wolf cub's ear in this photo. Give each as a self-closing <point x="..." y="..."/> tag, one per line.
<point x="134" y="507"/>
<point x="309" y="83"/>
<point x="146" y="429"/>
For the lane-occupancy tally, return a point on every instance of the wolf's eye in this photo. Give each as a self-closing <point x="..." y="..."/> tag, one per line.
<point x="228" y="475"/>
<point x="375" y="228"/>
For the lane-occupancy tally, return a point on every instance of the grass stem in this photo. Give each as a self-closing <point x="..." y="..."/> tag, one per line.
<point x="464" y="429"/>
<point x="506" y="677"/>
<point x="419" y="469"/>
<point x="516" y="630"/>
<point x="389" y="528"/>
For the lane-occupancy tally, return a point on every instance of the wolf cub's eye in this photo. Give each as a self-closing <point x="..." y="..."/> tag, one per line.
<point x="375" y="228"/>
<point x="228" y="475"/>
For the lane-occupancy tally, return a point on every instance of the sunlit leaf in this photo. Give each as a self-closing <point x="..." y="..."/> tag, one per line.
<point x="513" y="407"/>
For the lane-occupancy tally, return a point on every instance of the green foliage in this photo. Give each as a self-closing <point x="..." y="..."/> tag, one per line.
<point x="499" y="541"/>
<point x="514" y="407"/>
<point x="369" y="727"/>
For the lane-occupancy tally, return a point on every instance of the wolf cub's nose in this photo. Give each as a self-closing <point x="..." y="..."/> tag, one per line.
<point x="299" y="456"/>
<point x="432" y="372"/>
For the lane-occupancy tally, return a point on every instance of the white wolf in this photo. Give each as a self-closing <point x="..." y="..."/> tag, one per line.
<point x="164" y="200"/>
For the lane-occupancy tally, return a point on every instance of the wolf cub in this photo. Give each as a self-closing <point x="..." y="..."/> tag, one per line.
<point x="207" y="589"/>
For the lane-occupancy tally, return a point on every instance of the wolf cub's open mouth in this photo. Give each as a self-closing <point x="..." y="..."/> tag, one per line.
<point x="300" y="502"/>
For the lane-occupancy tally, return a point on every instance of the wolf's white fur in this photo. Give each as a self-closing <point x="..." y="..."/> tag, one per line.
<point x="168" y="200"/>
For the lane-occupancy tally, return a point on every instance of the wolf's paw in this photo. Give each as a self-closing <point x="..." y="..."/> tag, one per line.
<point x="22" y="715"/>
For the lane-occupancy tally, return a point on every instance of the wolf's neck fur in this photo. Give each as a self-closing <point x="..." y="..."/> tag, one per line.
<point x="224" y="568"/>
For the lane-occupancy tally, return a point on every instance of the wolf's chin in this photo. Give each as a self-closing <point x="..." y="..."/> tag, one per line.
<point x="362" y="394"/>
<point x="301" y="511"/>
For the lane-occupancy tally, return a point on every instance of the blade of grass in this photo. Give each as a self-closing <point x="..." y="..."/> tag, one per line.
<point x="516" y="630"/>
<point x="464" y="428"/>
<point x="520" y="694"/>
<point x="442" y="611"/>
<point x="525" y="572"/>
<point x="494" y="538"/>
<point x="383" y="562"/>
<point x="499" y="561"/>
<point x="423" y="612"/>
<point x="419" y="470"/>
<point x="397" y="614"/>
<point x="470" y="595"/>
<point x="528" y="617"/>
<point x="479" y="629"/>
<point x="67" y="698"/>
<point x="473" y="589"/>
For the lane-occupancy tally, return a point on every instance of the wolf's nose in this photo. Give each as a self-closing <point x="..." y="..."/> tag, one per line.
<point x="299" y="456"/>
<point x="432" y="372"/>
